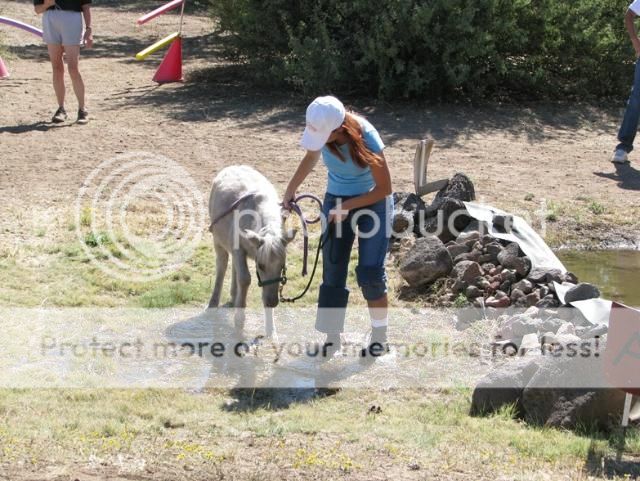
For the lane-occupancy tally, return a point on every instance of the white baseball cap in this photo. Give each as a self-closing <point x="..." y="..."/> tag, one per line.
<point x="324" y="115"/>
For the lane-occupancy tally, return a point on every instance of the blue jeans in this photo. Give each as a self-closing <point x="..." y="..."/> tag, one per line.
<point x="373" y="225"/>
<point x="629" y="127"/>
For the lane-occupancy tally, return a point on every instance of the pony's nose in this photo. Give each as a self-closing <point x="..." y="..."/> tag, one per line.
<point x="271" y="302"/>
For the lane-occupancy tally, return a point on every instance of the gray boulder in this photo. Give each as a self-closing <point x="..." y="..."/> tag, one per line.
<point x="519" y="326"/>
<point x="467" y="271"/>
<point x="524" y="285"/>
<point x="503" y="386"/>
<point x="509" y="258"/>
<point x="456" y="249"/>
<point x="582" y="292"/>
<point x="459" y="187"/>
<point x="428" y="261"/>
<point x="568" y="392"/>
<point x="545" y="275"/>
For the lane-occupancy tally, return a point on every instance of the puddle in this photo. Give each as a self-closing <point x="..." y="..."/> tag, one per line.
<point x="616" y="273"/>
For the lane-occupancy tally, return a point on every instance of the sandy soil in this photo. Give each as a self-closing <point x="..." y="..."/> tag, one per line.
<point x="556" y="152"/>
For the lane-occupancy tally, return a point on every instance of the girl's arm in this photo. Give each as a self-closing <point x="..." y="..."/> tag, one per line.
<point x="88" y="33"/>
<point x="43" y="7"/>
<point x="382" y="178"/>
<point x="305" y="167"/>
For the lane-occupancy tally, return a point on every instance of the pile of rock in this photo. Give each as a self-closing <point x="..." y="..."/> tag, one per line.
<point x="441" y="241"/>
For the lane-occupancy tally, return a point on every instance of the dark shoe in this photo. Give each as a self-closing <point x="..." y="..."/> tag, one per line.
<point x="60" y="116"/>
<point x="83" y="116"/>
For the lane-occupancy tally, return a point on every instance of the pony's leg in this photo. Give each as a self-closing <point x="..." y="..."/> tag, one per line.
<point x="243" y="280"/>
<point x="269" y="326"/>
<point x="222" y="259"/>
<point x="234" y="284"/>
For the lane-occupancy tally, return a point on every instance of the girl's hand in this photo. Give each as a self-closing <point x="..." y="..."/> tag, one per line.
<point x="49" y="3"/>
<point x="287" y="199"/>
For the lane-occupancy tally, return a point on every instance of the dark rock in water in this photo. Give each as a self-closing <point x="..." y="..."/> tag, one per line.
<point x="467" y="271"/>
<point x="428" y="261"/>
<point x="544" y="275"/>
<point x="503" y="386"/>
<point x="571" y="278"/>
<point x="456" y="249"/>
<point x="459" y="187"/>
<point x="582" y="292"/>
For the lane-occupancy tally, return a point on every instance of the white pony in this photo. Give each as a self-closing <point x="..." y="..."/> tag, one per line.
<point x="251" y="228"/>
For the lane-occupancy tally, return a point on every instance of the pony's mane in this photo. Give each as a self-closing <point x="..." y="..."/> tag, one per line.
<point x="273" y="245"/>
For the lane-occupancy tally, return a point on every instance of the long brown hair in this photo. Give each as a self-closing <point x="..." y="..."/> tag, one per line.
<point x="359" y="151"/>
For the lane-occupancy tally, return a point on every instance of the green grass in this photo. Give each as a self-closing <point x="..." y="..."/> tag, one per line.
<point x="332" y="434"/>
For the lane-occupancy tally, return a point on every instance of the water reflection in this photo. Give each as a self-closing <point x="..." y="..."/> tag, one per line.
<point x="616" y="273"/>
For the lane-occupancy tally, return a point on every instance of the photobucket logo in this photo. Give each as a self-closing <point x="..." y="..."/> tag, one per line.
<point x="139" y="216"/>
<point x="401" y="224"/>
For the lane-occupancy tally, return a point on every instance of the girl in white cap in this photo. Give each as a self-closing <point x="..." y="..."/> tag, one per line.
<point x="358" y="198"/>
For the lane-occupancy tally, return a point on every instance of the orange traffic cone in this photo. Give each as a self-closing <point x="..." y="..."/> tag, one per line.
<point x="170" y="69"/>
<point x="4" y="73"/>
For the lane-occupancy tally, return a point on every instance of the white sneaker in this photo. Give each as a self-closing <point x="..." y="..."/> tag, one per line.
<point x="620" y="156"/>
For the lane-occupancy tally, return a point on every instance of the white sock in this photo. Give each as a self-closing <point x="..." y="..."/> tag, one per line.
<point x="375" y="323"/>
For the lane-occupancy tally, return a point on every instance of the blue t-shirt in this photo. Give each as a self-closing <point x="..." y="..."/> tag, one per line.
<point x="346" y="177"/>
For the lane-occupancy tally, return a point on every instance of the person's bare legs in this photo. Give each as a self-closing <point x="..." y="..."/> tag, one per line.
<point x="55" y="55"/>
<point x="73" y="58"/>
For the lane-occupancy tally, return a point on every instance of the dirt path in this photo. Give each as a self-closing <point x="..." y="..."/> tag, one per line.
<point x="558" y="153"/>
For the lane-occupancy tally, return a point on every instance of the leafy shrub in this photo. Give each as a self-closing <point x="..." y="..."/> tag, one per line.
<point x="433" y="49"/>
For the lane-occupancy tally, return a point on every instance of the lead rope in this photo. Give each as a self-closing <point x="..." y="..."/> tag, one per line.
<point x="305" y="223"/>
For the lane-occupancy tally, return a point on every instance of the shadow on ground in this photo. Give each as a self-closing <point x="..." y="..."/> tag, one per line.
<point x="607" y="467"/>
<point x="626" y="176"/>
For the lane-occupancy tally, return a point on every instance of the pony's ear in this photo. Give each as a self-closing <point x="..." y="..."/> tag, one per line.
<point x="253" y="237"/>
<point x="289" y="235"/>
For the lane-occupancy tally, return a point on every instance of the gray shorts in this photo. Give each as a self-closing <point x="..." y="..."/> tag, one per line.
<point x="62" y="27"/>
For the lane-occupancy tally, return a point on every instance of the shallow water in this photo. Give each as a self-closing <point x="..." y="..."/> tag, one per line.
<point x="616" y="273"/>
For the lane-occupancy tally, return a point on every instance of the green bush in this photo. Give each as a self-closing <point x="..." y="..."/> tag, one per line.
<point x="433" y="49"/>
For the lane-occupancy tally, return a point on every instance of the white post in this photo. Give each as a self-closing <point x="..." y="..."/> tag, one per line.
<point x="627" y="410"/>
<point x="181" y="18"/>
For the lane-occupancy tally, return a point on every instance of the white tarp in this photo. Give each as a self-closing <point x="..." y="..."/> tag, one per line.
<point x="522" y="233"/>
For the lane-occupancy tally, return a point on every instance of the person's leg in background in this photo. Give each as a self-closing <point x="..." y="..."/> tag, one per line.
<point x="57" y="64"/>
<point x="334" y="295"/>
<point x="73" y="59"/>
<point x="374" y="231"/>
<point x="629" y="127"/>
